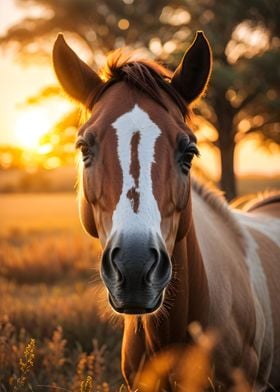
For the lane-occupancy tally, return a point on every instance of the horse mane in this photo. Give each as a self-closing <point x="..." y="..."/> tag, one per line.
<point x="215" y="199"/>
<point x="261" y="200"/>
<point x="146" y="75"/>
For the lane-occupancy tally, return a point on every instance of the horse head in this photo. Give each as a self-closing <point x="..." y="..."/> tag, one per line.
<point x="136" y="149"/>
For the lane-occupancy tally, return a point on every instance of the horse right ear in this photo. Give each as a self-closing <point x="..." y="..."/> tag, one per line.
<point x="75" y="76"/>
<point x="191" y="77"/>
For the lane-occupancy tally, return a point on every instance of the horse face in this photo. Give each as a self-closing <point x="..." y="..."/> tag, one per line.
<point x="134" y="194"/>
<point x="135" y="186"/>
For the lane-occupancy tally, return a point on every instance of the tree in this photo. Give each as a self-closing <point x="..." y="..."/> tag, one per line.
<point x="101" y="24"/>
<point x="243" y="97"/>
<point x="244" y="94"/>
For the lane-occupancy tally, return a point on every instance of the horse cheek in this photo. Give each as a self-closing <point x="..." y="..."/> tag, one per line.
<point x="87" y="218"/>
<point x="183" y="225"/>
<point x="185" y="218"/>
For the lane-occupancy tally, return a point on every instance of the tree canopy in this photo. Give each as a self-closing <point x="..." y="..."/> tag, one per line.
<point x="243" y="96"/>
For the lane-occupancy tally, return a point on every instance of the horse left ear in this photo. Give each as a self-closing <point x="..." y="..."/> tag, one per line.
<point x="75" y="76"/>
<point x="192" y="74"/>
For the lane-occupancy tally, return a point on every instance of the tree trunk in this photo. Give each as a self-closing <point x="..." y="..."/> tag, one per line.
<point x="225" y="125"/>
<point x="227" y="182"/>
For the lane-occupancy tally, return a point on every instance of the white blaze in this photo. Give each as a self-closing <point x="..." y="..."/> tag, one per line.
<point x="147" y="217"/>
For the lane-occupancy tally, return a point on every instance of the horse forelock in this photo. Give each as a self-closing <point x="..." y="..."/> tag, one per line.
<point x="119" y="58"/>
<point x="146" y="75"/>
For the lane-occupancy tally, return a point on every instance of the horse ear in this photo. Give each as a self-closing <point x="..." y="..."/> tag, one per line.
<point x="192" y="74"/>
<point x="75" y="76"/>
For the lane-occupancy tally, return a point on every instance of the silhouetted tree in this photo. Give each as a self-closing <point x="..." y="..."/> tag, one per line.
<point x="244" y="94"/>
<point x="243" y="97"/>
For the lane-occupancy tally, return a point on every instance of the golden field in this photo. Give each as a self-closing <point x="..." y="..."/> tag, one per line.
<point x="57" y="331"/>
<point x="50" y="292"/>
<point x="39" y="212"/>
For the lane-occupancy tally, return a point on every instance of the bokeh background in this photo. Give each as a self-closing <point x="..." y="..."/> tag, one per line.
<point x="49" y="286"/>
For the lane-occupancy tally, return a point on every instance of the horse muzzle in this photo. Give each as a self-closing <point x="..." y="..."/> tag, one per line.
<point x="135" y="269"/>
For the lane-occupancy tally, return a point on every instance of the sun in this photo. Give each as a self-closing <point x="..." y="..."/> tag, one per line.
<point x="30" y="125"/>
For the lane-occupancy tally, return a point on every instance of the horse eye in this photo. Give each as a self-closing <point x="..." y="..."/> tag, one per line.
<point x="86" y="143"/>
<point x="186" y="157"/>
<point x="88" y="155"/>
<point x="186" y="162"/>
<point x="85" y="150"/>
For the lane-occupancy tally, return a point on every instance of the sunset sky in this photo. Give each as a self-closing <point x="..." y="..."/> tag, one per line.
<point x="19" y="82"/>
<point x="23" y="125"/>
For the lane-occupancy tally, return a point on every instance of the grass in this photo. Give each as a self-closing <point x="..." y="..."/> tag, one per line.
<point x="33" y="364"/>
<point x="39" y="212"/>
<point x="54" y="331"/>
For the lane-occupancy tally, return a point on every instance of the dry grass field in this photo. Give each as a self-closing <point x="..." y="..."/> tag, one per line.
<point x="39" y="212"/>
<point x="50" y="292"/>
<point x="57" y="332"/>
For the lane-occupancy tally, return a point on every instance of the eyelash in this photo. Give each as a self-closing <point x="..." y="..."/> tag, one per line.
<point x="86" y="150"/>
<point x="187" y="156"/>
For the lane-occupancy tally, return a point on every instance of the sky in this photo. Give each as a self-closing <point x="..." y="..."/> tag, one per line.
<point x="9" y="14"/>
<point x="18" y="82"/>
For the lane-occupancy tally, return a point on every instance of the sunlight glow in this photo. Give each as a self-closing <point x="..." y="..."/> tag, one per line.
<point x="251" y="158"/>
<point x="248" y="41"/>
<point x="30" y="126"/>
<point x="175" y="16"/>
<point x="44" y="149"/>
<point x="123" y="24"/>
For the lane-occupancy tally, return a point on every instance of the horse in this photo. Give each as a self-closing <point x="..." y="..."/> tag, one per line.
<point x="174" y="252"/>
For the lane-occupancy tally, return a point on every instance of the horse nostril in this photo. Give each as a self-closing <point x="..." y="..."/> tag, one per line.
<point x="114" y="253"/>
<point x="160" y="268"/>
<point x="165" y="265"/>
<point x="155" y="256"/>
<point x="106" y="269"/>
<point x="110" y="269"/>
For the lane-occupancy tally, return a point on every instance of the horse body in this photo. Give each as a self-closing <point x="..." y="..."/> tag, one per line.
<point x="173" y="253"/>
<point x="222" y="259"/>
<point x="236" y="273"/>
<point x="262" y="224"/>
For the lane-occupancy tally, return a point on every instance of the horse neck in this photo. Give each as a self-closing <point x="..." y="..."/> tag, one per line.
<point x="186" y="299"/>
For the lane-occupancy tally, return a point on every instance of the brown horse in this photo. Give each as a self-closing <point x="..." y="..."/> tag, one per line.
<point x="174" y="252"/>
